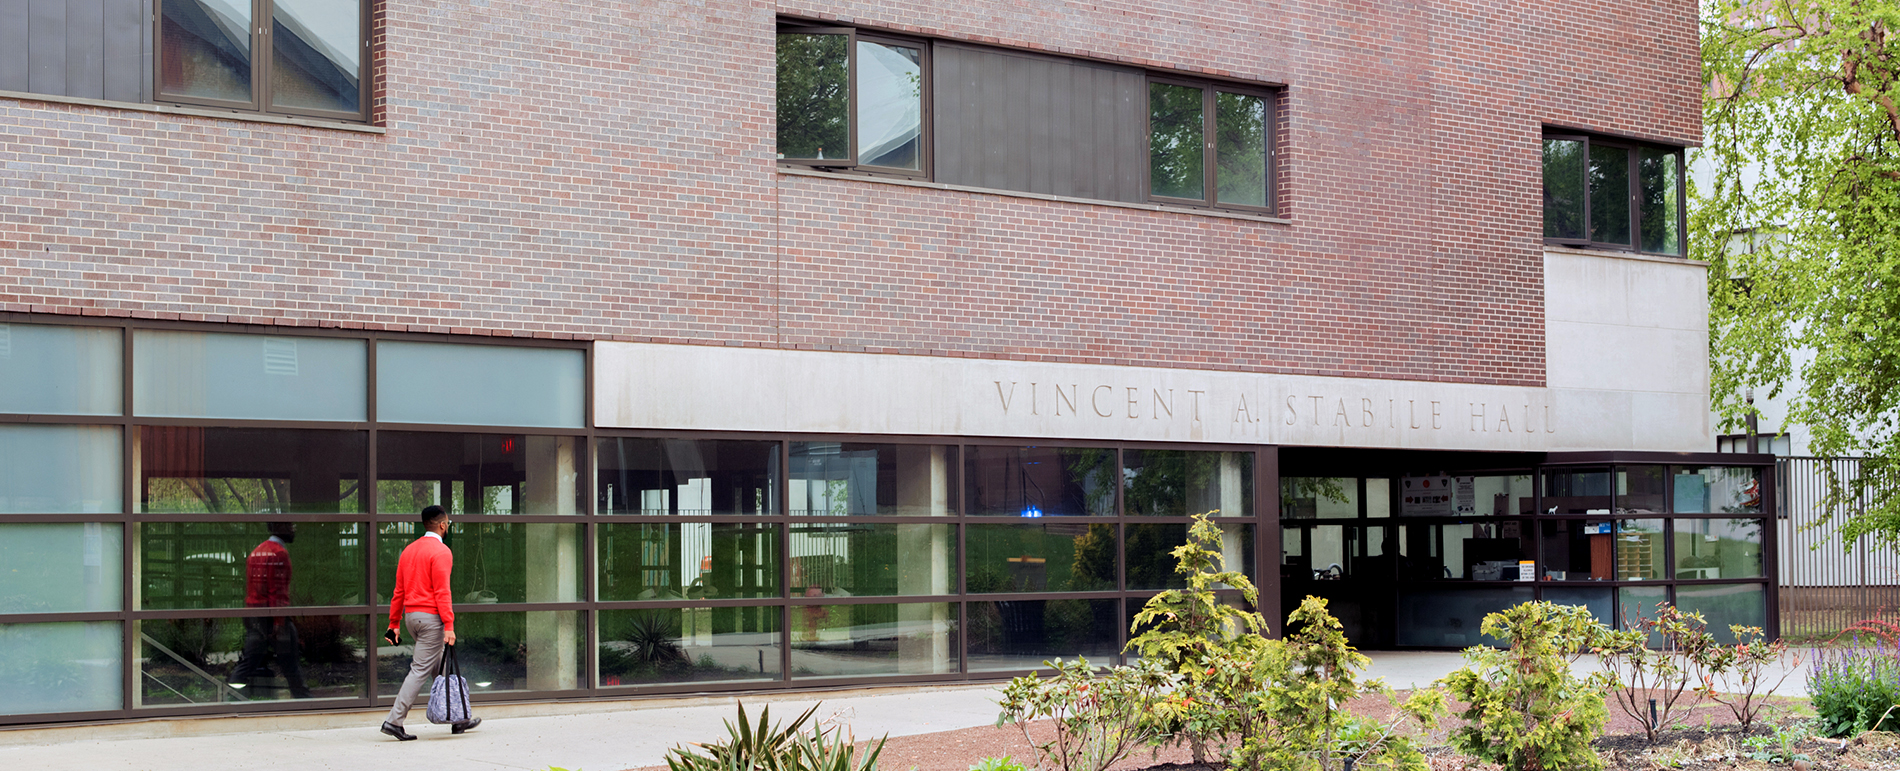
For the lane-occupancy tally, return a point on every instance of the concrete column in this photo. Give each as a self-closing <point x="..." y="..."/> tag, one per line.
<point x="926" y="561"/>
<point x="553" y="564"/>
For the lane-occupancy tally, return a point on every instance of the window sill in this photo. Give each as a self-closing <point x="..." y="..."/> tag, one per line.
<point x="792" y="171"/>
<point x="1622" y="255"/>
<point x="201" y="112"/>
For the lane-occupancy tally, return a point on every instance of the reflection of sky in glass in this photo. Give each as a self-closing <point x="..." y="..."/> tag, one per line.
<point x="329" y="26"/>
<point x="890" y="105"/>
<point x="232" y="18"/>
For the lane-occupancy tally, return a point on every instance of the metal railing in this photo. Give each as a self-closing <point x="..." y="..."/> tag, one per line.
<point x="1825" y="586"/>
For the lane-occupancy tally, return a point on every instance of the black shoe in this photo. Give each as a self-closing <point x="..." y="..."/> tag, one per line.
<point x="401" y="735"/>
<point x="465" y="726"/>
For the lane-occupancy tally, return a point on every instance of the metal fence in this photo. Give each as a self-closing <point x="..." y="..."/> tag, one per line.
<point x="1825" y="586"/>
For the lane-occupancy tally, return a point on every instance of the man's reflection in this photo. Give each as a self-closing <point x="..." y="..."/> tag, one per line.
<point x="267" y="585"/>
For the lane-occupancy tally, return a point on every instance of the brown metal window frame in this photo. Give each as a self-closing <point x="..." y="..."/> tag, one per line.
<point x="852" y="36"/>
<point x="263" y="59"/>
<point x="1635" y="194"/>
<point x="1210" y="147"/>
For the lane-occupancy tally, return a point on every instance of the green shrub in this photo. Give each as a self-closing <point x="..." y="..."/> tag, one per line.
<point x="1661" y="658"/>
<point x="763" y="746"/>
<point x="1855" y="689"/>
<point x="1005" y="763"/>
<point x="1525" y="709"/>
<point x="1744" y="669"/>
<point x="1097" y="720"/>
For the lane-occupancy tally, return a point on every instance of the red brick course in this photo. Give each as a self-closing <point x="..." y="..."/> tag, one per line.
<point x="605" y="170"/>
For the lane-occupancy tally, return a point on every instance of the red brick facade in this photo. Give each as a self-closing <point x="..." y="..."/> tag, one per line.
<point x="605" y="170"/>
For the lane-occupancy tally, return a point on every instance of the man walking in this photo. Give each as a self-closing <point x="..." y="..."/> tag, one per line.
<point x="422" y="599"/>
<point x="270" y="638"/>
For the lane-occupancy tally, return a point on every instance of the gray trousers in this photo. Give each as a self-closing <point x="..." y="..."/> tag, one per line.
<point x="425" y="631"/>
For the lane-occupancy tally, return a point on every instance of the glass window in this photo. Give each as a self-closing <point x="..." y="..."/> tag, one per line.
<point x="500" y="652"/>
<point x="1320" y="498"/>
<point x="859" y="560"/>
<point x="1600" y="602"/>
<point x="814" y="95"/>
<point x="1176" y="124"/>
<point x="478" y="473"/>
<point x="1718" y="548"/>
<point x="686" y="477"/>
<point x="1584" y="491"/>
<point x="1021" y="634"/>
<point x="671" y="646"/>
<point x="690" y="560"/>
<point x="310" y="63"/>
<point x="1452" y="617"/>
<point x="1046" y="557"/>
<point x="1035" y="482"/>
<point x="480" y="385"/>
<point x="1639" y="550"/>
<point x="60" y="568"/>
<point x="846" y="478"/>
<point x="1609" y="194"/>
<point x="255" y="377"/>
<point x="249" y="564"/>
<point x="1563" y="188"/>
<point x="1725" y="605"/>
<point x="188" y="661"/>
<point x="1659" y="185"/>
<point x="1241" y="141"/>
<point x="49" y="370"/>
<point x="890" y="94"/>
<point x="1378" y="498"/>
<point x="1640" y="490"/>
<point x="1578" y="550"/>
<point x="193" y="470"/>
<point x="874" y="640"/>
<point x="63" y="667"/>
<point x="1718" y="490"/>
<point x="1150" y="553"/>
<point x="1639" y="602"/>
<point x="59" y="469"/>
<point x="1175" y="483"/>
<point x="1495" y="496"/>
<point x="494" y="561"/>
<point x="316" y="55"/>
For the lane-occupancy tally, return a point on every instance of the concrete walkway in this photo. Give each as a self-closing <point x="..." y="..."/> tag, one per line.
<point x="595" y="736"/>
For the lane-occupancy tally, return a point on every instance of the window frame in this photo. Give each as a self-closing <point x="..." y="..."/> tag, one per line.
<point x="1634" y="150"/>
<point x="263" y="59"/>
<point x="1210" y="147"/>
<point x="853" y="36"/>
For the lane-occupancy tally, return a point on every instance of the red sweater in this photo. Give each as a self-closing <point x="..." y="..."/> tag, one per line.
<point x="422" y="582"/>
<point x="267" y="576"/>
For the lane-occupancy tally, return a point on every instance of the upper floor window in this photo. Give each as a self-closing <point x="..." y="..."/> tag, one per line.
<point x="294" y="57"/>
<point x="847" y="99"/>
<point x="854" y="100"/>
<point x="1613" y="194"/>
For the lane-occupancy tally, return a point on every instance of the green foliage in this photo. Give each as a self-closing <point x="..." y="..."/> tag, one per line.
<point x="1526" y="710"/>
<point x="1185" y="630"/>
<point x="813" y="96"/>
<point x="1855" y="689"/>
<point x="1744" y="669"/>
<point x="1097" y="721"/>
<point x="1779" y="748"/>
<point x="1004" y="763"/>
<point x="763" y="746"/>
<point x="1802" y="120"/>
<point x="1660" y="657"/>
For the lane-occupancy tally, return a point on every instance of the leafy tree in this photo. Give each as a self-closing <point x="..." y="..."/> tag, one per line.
<point x="1802" y="113"/>
<point x="1525" y="710"/>
<point x="813" y="96"/>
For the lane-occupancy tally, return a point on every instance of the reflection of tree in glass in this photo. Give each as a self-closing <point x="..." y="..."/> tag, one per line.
<point x="1094" y="565"/>
<point x="1563" y="188"/>
<point x="1093" y="472"/>
<point x="1295" y="489"/>
<point x="1240" y="125"/>
<point x="813" y="95"/>
<point x="1174" y="149"/>
<point x="1656" y="172"/>
<point x="1160" y="486"/>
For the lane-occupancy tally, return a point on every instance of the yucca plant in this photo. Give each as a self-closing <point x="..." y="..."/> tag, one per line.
<point x="762" y="746"/>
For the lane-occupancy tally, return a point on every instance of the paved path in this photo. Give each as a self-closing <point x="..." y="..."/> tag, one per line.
<point x="594" y="736"/>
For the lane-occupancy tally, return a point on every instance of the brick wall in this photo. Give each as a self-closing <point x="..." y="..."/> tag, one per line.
<point x="580" y="169"/>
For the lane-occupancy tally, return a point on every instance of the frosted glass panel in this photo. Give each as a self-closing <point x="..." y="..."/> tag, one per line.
<point x="257" y="377"/>
<point x="479" y="385"/>
<point x="59" y="568"/>
<point x="70" y="667"/>
<point x="46" y="370"/>
<point x="59" y="469"/>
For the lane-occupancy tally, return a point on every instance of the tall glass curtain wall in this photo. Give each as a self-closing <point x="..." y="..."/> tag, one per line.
<point x="194" y="520"/>
<point x="1419" y="561"/>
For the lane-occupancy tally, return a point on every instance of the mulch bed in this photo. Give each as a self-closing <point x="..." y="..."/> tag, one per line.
<point x="1703" y="737"/>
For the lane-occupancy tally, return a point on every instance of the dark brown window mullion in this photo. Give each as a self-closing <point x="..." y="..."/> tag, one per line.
<point x="1210" y="148"/>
